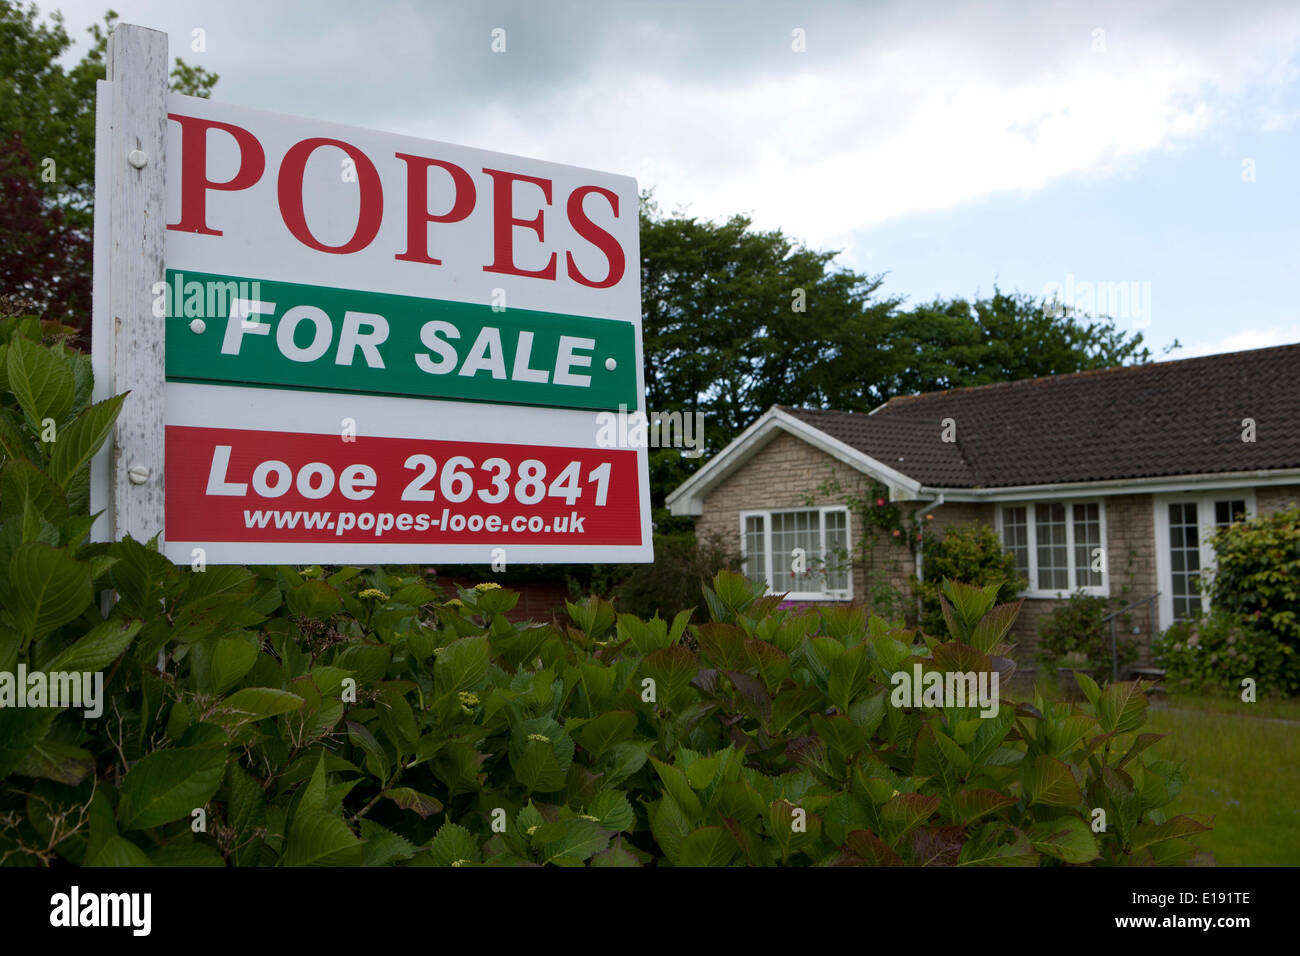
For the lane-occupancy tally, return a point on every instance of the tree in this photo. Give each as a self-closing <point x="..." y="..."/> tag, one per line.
<point x="45" y="261"/>
<point x="47" y="127"/>
<point x="955" y="343"/>
<point x="736" y="320"/>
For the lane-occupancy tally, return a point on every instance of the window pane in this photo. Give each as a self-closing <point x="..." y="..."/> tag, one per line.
<point x="837" y="548"/>
<point x="1226" y="512"/>
<point x="755" y="555"/>
<point x="1053" y="557"/>
<point x="1087" y="538"/>
<point x="790" y="530"/>
<point x="1185" y="559"/>
<point x="1015" y="537"/>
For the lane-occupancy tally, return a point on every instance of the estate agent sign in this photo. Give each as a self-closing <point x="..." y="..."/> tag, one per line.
<point x="358" y="346"/>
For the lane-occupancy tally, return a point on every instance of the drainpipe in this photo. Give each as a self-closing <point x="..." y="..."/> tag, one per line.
<point x="920" y="521"/>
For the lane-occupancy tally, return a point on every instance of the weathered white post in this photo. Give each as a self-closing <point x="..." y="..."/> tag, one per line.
<point x="131" y="248"/>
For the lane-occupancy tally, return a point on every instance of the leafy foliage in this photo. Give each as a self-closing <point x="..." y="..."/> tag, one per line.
<point x="1257" y="574"/>
<point x="671" y="583"/>
<point x="972" y="553"/>
<point x="1075" y="630"/>
<point x="277" y="716"/>
<point x="1007" y="336"/>
<point x="1214" y="653"/>
<point x="47" y="153"/>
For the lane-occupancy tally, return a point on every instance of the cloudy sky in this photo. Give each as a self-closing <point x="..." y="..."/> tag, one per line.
<point x="1141" y="156"/>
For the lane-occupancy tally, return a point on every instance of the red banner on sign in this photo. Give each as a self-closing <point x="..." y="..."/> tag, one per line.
<point x="242" y="485"/>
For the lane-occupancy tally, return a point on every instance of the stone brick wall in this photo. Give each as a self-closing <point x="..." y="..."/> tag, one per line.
<point x="1272" y="499"/>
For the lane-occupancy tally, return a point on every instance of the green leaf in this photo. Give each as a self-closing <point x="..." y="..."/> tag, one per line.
<point x="669" y="827"/>
<point x="1172" y="829"/>
<point x="850" y="674"/>
<point x="1122" y="707"/>
<point x="672" y="669"/>
<point x="600" y="733"/>
<point x="1142" y="742"/>
<point x="616" y="855"/>
<point x="993" y="626"/>
<point x="677" y="786"/>
<point x="49" y="588"/>
<point x="540" y="755"/>
<point x="461" y="664"/>
<point x="22" y="484"/>
<point x="646" y="636"/>
<point x="57" y="761"/>
<point x="1050" y="781"/>
<point x="376" y="756"/>
<point x="382" y="846"/>
<point x="99" y="647"/>
<point x="78" y="442"/>
<point x="20" y="729"/>
<point x="612" y="810"/>
<point x="453" y="845"/>
<point x="119" y="851"/>
<point x="318" y="838"/>
<point x="1066" y="838"/>
<point x="41" y="380"/>
<point x="261" y="702"/>
<point x="872" y="850"/>
<point x="970" y="805"/>
<point x="245" y="802"/>
<point x="168" y="785"/>
<point x="572" y="839"/>
<point x="988" y="846"/>
<point x="409" y="799"/>
<point x="908" y="810"/>
<point x="1088" y="686"/>
<point x="594" y="615"/>
<point x="186" y="854"/>
<point x="707" y="846"/>
<point x="313" y="599"/>
<point x="232" y="658"/>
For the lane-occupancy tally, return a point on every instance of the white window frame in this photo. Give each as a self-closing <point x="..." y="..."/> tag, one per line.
<point x="1205" y="527"/>
<point x="1033" y="590"/>
<point x="834" y="594"/>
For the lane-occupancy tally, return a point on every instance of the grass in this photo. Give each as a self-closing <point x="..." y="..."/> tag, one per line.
<point x="1243" y="768"/>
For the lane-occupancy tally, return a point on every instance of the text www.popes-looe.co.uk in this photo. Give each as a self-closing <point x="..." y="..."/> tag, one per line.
<point x="383" y="521"/>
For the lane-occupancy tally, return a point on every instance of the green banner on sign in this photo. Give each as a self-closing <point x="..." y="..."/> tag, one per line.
<point x="237" y="331"/>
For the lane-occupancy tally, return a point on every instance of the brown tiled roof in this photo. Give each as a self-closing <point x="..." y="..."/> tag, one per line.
<point x="1167" y="418"/>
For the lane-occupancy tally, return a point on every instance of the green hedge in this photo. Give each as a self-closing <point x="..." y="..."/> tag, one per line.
<point x="1257" y="574"/>
<point x="277" y="716"/>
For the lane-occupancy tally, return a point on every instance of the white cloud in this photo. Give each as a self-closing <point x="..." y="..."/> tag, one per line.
<point x="823" y="147"/>
<point x="895" y="109"/>
<point x="1244" y="340"/>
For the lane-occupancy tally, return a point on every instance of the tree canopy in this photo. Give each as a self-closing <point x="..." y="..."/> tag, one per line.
<point x="736" y="320"/>
<point x="47" y="172"/>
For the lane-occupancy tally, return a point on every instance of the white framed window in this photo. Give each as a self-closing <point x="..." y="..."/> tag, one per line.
<point x="1184" y="525"/>
<point x="1059" y="546"/>
<point x="771" y="542"/>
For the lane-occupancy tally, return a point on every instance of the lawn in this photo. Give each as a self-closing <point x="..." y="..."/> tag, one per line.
<point x="1243" y="768"/>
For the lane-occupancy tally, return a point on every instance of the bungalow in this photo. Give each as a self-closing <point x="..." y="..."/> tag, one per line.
<point x="1105" y="481"/>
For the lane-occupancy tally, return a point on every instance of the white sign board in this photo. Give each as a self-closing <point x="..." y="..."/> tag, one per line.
<point x="380" y="348"/>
